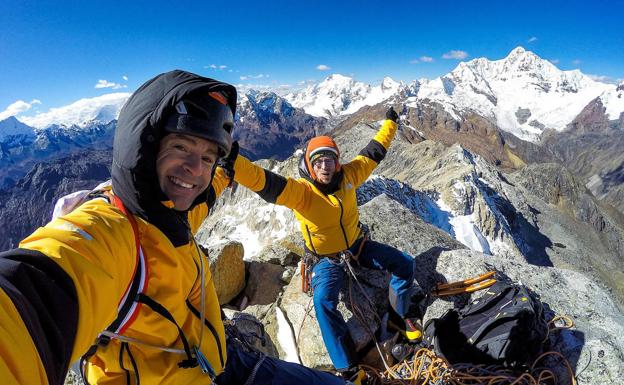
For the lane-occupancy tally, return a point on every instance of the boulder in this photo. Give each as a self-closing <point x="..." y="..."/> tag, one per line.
<point x="227" y="268"/>
<point x="284" y="252"/>
<point x="255" y="326"/>
<point x="264" y="283"/>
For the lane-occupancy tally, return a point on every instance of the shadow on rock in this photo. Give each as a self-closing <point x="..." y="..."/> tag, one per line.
<point x="568" y="342"/>
<point x="428" y="277"/>
<point x="526" y="235"/>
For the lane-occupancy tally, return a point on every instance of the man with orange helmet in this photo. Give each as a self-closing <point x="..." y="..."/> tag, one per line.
<point x="324" y="203"/>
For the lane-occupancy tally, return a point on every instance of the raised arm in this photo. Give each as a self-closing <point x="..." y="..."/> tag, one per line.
<point x="360" y="168"/>
<point x="271" y="187"/>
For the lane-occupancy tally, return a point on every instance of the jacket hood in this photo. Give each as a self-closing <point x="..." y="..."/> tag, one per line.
<point x="136" y="143"/>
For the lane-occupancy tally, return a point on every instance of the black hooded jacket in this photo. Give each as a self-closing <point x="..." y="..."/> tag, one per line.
<point x="139" y="131"/>
<point x="38" y="280"/>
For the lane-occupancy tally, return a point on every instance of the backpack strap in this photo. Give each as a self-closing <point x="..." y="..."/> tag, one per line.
<point x="129" y="306"/>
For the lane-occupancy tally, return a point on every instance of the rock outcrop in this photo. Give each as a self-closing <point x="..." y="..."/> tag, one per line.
<point x="29" y="203"/>
<point x="591" y="149"/>
<point x="458" y="215"/>
<point x="227" y="269"/>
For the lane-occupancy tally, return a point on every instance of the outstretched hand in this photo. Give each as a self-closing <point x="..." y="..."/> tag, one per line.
<point x="391" y="114"/>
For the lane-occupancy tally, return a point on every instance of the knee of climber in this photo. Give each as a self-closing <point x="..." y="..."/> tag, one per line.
<point x="325" y="299"/>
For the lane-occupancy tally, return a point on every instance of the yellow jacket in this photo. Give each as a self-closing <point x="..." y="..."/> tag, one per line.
<point x="97" y="238"/>
<point x="328" y="222"/>
<point x="63" y="285"/>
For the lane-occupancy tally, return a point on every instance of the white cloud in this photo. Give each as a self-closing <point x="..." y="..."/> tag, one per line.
<point x="422" y="59"/>
<point x="125" y="77"/>
<point x="323" y="67"/>
<point x="604" y="79"/>
<point x="17" y="108"/>
<point x="455" y="54"/>
<point x="219" y="67"/>
<point x="259" y="76"/>
<point x="576" y="62"/>
<point x="532" y="39"/>
<point x="106" y="107"/>
<point x="280" y="89"/>
<point x="106" y="84"/>
<point x="554" y="61"/>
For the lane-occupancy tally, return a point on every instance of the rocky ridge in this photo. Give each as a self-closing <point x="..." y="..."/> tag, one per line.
<point x="590" y="147"/>
<point x="20" y="153"/>
<point x="28" y="205"/>
<point x="458" y="215"/>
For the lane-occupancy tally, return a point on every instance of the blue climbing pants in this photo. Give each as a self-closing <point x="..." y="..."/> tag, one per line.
<point x="329" y="277"/>
<point x="249" y="368"/>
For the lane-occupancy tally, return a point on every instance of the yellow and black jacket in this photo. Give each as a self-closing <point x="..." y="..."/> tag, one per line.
<point x="328" y="214"/>
<point x="63" y="285"/>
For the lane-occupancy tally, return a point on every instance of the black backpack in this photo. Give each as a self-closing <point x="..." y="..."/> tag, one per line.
<point x="505" y="326"/>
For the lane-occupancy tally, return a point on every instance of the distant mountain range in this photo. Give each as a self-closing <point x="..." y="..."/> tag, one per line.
<point x="521" y="94"/>
<point x="514" y="111"/>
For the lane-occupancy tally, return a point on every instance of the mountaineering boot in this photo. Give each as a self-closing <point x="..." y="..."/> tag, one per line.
<point x="354" y="375"/>
<point x="409" y="326"/>
<point x="414" y="316"/>
<point x="413" y="330"/>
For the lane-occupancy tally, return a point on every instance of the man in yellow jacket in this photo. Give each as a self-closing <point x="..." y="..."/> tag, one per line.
<point x="121" y="277"/>
<point x="324" y="203"/>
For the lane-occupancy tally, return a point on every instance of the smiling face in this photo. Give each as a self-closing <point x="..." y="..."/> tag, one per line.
<point x="324" y="168"/>
<point x="184" y="166"/>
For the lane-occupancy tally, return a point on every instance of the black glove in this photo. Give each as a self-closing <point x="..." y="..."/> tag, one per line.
<point x="391" y="114"/>
<point x="227" y="162"/>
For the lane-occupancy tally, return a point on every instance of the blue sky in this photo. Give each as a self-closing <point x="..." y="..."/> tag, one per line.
<point x="57" y="52"/>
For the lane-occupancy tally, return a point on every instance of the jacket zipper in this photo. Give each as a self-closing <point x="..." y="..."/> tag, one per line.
<point x="344" y="233"/>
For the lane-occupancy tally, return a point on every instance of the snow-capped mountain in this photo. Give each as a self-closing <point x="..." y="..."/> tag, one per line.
<point x="19" y="152"/>
<point x="522" y="93"/>
<point x="11" y="127"/>
<point x="101" y="109"/>
<point x="341" y="95"/>
<point x="269" y="127"/>
<point x="613" y="101"/>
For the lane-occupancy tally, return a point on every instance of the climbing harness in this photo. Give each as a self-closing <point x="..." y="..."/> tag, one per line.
<point x="310" y="259"/>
